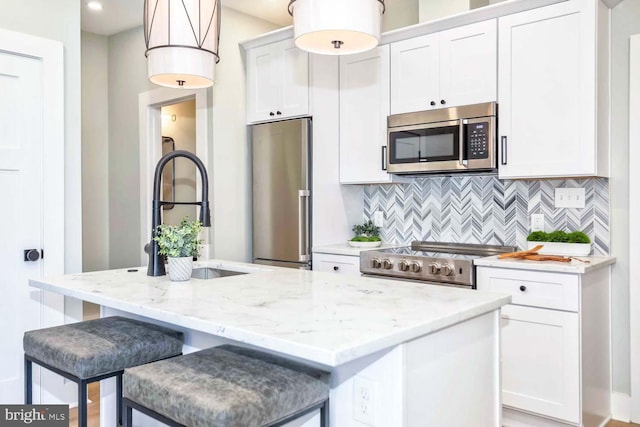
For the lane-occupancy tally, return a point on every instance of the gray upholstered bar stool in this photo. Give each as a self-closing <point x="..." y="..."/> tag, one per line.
<point x="91" y="351"/>
<point x="226" y="386"/>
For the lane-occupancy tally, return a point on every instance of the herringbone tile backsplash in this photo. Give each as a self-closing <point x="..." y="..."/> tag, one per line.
<point x="484" y="209"/>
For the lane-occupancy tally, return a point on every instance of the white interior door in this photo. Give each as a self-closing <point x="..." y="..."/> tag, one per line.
<point x="32" y="207"/>
<point x="20" y="216"/>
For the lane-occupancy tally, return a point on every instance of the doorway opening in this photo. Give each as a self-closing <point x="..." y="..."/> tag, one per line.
<point x="179" y="176"/>
<point x="169" y="120"/>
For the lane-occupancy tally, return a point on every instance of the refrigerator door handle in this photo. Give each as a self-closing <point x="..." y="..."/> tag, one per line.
<point x="303" y="224"/>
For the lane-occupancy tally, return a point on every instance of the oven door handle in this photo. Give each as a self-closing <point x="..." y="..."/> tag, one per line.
<point x="464" y="163"/>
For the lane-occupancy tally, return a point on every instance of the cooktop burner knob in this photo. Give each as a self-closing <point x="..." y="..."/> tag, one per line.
<point x="386" y="264"/>
<point x="403" y="265"/>
<point x="416" y="267"/>
<point x="447" y="270"/>
<point x="375" y="263"/>
<point x="434" y="268"/>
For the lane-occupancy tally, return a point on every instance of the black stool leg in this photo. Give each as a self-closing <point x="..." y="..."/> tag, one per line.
<point x="324" y="414"/>
<point x="119" y="397"/>
<point x="28" y="369"/>
<point x="128" y="415"/>
<point x="82" y="403"/>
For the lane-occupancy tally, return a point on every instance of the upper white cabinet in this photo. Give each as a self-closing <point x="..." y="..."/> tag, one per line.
<point x="552" y="91"/>
<point x="277" y="82"/>
<point x="364" y="107"/>
<point x="445" y="69"/>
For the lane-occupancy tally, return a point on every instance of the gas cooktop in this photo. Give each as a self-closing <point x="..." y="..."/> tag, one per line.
<point x="441" y="263"/>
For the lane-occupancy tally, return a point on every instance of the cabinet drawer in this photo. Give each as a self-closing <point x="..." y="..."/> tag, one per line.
<point x="340" y="264"/>
<point x="532" y="288"/>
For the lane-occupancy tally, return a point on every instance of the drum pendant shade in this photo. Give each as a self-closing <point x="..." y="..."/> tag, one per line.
<point x="182" y="38"/>
<point x="336" y="27"/>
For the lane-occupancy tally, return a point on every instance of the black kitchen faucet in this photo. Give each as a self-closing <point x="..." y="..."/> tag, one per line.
<point x="156" y="261"/>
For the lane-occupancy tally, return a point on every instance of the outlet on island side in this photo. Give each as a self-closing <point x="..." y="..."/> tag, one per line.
<point x="364" y="400"/>
<point x="537" y="222"/>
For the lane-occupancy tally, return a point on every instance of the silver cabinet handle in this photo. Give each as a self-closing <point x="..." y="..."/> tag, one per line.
<point x="384" y="157"/>
<point x="303" y="224"/>
<point x="503" y="159"/>
<point x="463" y="162"/>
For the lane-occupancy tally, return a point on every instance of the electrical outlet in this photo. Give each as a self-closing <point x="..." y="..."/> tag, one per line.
<point x="364" y="400"/>
<point x="537" y="222"/>
<point x="569" y="198"/>
<point x="378" y="218"/>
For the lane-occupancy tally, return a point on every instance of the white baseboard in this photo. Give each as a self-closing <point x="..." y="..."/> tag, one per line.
<point x="621" y="407"/>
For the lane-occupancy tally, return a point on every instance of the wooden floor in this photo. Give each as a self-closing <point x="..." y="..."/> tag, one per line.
<point x="93" y="409"/>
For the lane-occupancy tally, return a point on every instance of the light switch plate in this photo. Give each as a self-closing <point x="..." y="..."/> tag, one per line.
<point x="569" y="198"/>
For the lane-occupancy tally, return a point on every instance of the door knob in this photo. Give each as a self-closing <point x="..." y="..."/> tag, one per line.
<point x="433" y="103"/>
<point x="31" y="255"/>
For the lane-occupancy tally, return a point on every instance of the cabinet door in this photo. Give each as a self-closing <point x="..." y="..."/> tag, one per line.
<point x="469" y="64"/>
<point x="263" y="66"/>
<point x="294" y="96"/>
<point x="364" y="107"/>
<point x="277" y="82"/>
<point x="540" y="361"/>
<point x="547" y="92"/>
<point x="415" y="74"/>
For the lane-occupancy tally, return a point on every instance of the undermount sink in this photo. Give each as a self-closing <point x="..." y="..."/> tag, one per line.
<point x="212" y="273"/>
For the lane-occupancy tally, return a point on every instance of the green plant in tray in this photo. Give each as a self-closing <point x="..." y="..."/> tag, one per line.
<point x="367" y="232"/>
<point x="559" y="236"/>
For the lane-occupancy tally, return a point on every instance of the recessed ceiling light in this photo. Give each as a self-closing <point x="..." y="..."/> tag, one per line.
<point x="94" y="5"/>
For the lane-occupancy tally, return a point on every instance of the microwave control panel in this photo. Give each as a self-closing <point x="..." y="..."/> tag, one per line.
<point x="478" y="140"/>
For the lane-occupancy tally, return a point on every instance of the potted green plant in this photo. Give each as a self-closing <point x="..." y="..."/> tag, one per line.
<point x="366" y="235"/>
<point x="180" y="243"/>
<point x="560" y="242"/>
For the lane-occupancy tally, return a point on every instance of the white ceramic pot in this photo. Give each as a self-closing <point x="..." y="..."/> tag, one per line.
<point x="180" y="268"/>
<point x="565" y="249"/>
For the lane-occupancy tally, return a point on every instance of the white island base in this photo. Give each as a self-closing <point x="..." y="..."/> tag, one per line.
<point x="400" y="354"/>
<point x="447" y="378"/>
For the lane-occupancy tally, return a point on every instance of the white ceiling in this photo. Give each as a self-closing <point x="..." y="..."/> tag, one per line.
<point x="120" y="15"/>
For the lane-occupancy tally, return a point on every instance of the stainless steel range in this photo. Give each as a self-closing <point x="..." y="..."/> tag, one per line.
<point x="448" y="264"/>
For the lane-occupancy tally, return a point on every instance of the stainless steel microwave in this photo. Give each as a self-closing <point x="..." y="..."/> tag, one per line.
<point x="457" y="139"/>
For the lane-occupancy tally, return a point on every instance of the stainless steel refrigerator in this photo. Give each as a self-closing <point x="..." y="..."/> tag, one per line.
<point x="281" y="157"/>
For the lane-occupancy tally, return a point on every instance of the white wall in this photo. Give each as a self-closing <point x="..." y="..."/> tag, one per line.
<point x="183" y="131"/>
<point x="399" y="13"/>
<point x="625" y="21"/>
<point x="127" y="78"/>
<point x="230" y="173"/>
<point x="435" y="9"/>
<point x="59" y="20"/>
<point x="95" y="153"/>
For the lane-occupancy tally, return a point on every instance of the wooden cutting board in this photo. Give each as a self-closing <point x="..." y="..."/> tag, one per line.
<point x="547" y="258"/>
<point x="521" y="254"/>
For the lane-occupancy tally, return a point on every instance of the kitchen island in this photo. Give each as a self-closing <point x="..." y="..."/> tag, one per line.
<point x="423" y="355"/>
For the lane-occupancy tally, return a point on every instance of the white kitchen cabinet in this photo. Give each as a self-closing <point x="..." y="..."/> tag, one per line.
<point x="340" y="264"/>
<point x="277" y="82"/>
<point x="364" y="107"/>
<point x="552" y="91"/>
<point x="555" y="345"/>
<point x="445" y="69"/>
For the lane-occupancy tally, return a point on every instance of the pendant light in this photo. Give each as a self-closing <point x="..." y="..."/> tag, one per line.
<point x="336" y="27"/>
<point x="182" y="39"/>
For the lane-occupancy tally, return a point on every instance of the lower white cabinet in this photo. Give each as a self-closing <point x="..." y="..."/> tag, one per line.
<point x="340" y="264"/>
<point x="555" y="346"/>
<point x="540" y="361"/>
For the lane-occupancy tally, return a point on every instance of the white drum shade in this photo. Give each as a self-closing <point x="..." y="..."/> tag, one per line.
<point x="182" y="38"/>
<point x="336" y="27"/>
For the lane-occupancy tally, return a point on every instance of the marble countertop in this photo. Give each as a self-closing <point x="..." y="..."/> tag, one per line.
<point x="575" y="266"/>
<point x="321" y="317"/>
<point x="345" y="249"/>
